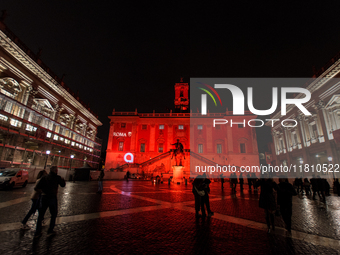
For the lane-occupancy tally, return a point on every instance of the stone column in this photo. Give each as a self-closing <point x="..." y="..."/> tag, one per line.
<point x="152" y="138"/>
<point x="230" y="139"/>
<point x="170" y="138"/>
<point x="112" y="129"/>
<point x="210" y="147"/>
<point x="133" y="137"/>
<point x="322" y="129"/>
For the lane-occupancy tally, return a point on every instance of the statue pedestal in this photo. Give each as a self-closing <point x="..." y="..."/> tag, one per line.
<point x="177" y="173"/>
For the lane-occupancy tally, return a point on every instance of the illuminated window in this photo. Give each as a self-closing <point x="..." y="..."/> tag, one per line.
<point x="242" y="147"/>
<point x="121" y="146"/>
<point x="160" y="147"/>
<point x="48" y="134"/>
<point x="161" y="126"/>
<point x="180" y="127"/>
<point x="142" y="147"/>
<point x="123" y="125"/>
<point x="30" y="128"/>
<point x="3" y="117"/>
<point x="219" y="148"/>
<point x="200" y="148"/>
<point x="144" y="127"/>
<point x="73" y="143"/>
<point x="55" y="137"/>
<point x="200" y="127"/>
<point x="15" y="123"/>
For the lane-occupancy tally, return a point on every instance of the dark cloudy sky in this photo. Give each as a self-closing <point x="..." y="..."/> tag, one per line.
<point x="127" y="55"/>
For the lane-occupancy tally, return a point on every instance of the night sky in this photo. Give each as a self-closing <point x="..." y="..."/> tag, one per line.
<point x="128" y="55"/>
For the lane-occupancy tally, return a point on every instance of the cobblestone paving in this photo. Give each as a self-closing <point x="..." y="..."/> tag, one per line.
<point x="164" y="230"/>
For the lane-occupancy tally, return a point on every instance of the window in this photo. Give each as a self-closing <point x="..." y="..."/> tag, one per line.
<point x="15" y="123"/>
<point x="123" y="125"/>
<point x="199" y="127"/>
<point x="180" y="127"/>
<point x="144" y="127"/>
<point x="240" y="125"/>
<point x="219" y="148"/>
<point x="242" y="147"/>
<point x="295" y="139"/>
<point x="142" y="147"/>
<point x="160" y="147"/>
<point x="315" y="131"/>
<point x="281" y="144"/>
<point x="200" y="148"/>
<point x="161" y="126"/>
<point x="3" y="117"/>
<point x="31" y="128"/>
<point x="121" y="146"/>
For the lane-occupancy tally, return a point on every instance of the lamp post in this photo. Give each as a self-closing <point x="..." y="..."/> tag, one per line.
<point x="72" y="156"/>
<point x="47" y="153"/>
<point x="74" y="174"/>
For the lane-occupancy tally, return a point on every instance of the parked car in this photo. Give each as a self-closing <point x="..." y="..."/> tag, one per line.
<point x="11" y="177"/>
<point x="135" y="176"/>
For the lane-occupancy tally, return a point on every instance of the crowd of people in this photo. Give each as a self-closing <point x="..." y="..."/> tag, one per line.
<point x="275" y="199"/>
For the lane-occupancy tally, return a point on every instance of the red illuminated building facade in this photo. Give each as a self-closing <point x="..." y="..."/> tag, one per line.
<point x="148" y="137"/>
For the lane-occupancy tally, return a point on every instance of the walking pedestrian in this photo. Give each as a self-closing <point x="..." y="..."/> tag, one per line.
<point x="315" y="187"/>
<point x="49" y="186"/>
<point x="222" y="181"/>
<point x="306" y="185"/>
<point x="240" y="180"/>
<point x="321" y="187"/>
<point x="100" y="181"/>
<point x="197" y="190"/>
<point x="285" y="195"/>
<point x="336" y="185"/>
<point x="233" y="179"/>
<point x="205" y="199"/>
<point x="267" y="200"/>
<point x="254" y="180"/>
<point x="35" y="201"/>
<point x="249" y="181"/>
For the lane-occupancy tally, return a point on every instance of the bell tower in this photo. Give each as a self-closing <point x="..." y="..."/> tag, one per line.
<point x="182" y="96"/>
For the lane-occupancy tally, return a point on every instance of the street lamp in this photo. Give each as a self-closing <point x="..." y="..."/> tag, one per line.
<point x="47" y="153"/>
<point x="72" y="156"/>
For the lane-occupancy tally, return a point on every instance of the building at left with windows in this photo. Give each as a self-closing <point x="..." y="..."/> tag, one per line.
<point x="39" y="114"/>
